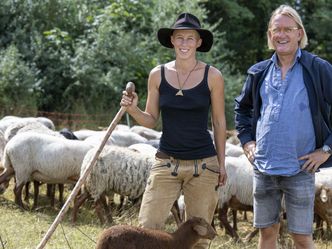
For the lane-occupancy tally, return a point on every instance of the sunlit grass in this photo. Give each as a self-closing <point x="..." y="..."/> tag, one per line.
<point x="21" y="229"/>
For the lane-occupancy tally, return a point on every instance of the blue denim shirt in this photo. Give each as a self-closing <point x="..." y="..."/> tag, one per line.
<point x="285" y="108"/>
<point x="317" y="77"/>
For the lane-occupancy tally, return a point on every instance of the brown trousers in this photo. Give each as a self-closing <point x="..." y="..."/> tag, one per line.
<point x="196" y="179"/>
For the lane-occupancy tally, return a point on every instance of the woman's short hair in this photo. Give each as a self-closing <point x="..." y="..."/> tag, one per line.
<point x="287" y="10"/>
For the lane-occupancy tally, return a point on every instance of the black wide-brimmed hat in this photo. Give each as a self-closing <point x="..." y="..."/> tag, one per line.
<point x="186" y="21"/>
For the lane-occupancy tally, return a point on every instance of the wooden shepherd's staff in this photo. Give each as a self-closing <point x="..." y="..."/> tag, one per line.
<point x="130" y="87"/>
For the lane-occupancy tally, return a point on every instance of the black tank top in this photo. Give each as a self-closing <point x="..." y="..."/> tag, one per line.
<point x="185" y="120"/>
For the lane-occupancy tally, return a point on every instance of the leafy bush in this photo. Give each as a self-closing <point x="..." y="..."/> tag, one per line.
<point x="17" y="83"/>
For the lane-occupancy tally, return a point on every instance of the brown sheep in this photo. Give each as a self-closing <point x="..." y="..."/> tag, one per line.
<point x="235" y="205"/>
<point x="323" y="210"/>
<point x="129" y="237"/>
<point x="323" y="201"/>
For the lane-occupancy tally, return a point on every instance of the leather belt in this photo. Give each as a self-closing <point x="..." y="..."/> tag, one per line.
<point x="162" y="155"/>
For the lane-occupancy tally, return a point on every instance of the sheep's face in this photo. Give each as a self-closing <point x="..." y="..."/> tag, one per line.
<point x="323" y="203"/>
<point x="203" y="229"/>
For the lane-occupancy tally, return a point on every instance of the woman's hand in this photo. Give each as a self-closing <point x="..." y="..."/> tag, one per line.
<point x="222" y="176"/>
<point x="130" y="102"/>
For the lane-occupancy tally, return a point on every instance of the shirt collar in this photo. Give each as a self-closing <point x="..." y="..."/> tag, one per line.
<point x="297" y="57"/>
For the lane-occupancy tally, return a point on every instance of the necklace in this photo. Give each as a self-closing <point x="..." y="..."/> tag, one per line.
<point x="180" y="93"/>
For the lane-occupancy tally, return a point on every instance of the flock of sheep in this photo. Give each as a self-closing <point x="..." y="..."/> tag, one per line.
<point x="31" y="150"/>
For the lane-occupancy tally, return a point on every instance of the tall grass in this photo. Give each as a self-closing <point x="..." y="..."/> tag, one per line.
<point x="24" y="229"/>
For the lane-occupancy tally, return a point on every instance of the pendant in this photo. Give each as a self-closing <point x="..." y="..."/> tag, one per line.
<point x="179" y="93"/>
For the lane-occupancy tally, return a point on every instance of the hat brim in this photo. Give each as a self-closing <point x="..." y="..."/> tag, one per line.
<point x="164" y="37"/>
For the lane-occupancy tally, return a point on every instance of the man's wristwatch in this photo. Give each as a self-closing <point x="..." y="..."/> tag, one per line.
<point x="327" y="149"/>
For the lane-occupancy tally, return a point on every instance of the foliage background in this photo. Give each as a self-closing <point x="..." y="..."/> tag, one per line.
<point x="75" y="56"/>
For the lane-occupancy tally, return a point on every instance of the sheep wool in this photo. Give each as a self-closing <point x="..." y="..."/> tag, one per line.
<point x="55" y="159"/>
<point x="240" y="181"/>
<point x="185" y="237"/>
<point x="118" y="170"/>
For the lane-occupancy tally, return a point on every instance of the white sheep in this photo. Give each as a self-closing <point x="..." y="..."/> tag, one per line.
<point x="41" y="157"/>
<point x="118" y="138"/>
<point x="144" y="148"/>
<point x="239" y="181"/>
<point x="178" y="208"/>
<point x="237" y="193"/>
<point x="85" y="133"/>
<point x="232" y="138"/>
<point x="24" y="125"/>
<point x="233" y="150"/>
<point x="2" y="144"/>
<point x="127" y="237"/>
<point x="148" y="133"/>
<point x="118" y="170"/>
<point x="28" y="125"/>
<point x="8" y="120"/>
<point x="122" y="127"/>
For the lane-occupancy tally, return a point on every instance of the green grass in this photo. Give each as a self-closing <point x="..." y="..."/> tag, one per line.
<point x="25" y="229"/>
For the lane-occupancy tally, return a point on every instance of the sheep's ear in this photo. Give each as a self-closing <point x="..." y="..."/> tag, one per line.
<point x="201" y="230"/>
<point x="318" y="188"/>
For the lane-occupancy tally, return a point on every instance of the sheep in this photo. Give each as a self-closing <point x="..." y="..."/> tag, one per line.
<point x="323" y="199"/>
<point x="153" y="142"/>
<point x="185" y="237"/>
<point x="10" y="125"/>
<point x="232" y="137"/>
<point x="67" y="133"/>
<point x="240" y="180"/>
<point x="28" y="125"/>
<point x="122" y="127"/>
<point x="178" y="207"/>
<point x="2" y="144"/>
<point x="118" y="137"/>
<point x="178" y="210"/>
<point x="118" y="170"/>
<point x="233" y="150"/>
<point x="35" y="126"/>
<point x="141" y="148"/>
<point x="237" y="193"/>
<point x="146" y="132"/>
<point x="41" y="157"/>
<point x="8" y="120"/>
<point x="85" y="133"/>
<point x="147" y="149"/>
<point x="322" y="209"/>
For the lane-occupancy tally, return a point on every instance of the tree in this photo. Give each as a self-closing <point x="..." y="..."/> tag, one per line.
<point x="245" y="26"/>
<point x="16" y="83"/>
<point x="317" y="20"/>
<point x="121" y="46"/>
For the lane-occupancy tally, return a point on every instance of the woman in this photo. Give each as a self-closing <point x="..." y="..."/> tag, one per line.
<point x="187" y="160"/>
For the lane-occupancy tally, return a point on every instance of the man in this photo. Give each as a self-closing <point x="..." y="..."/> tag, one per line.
<point x="282" y="119"/>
